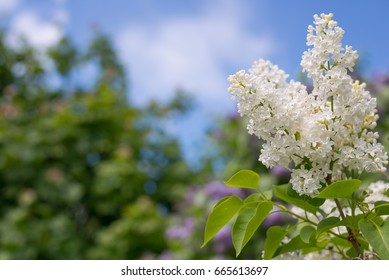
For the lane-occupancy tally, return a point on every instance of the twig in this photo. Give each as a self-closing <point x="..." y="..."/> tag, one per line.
<point x="351" y="236"/>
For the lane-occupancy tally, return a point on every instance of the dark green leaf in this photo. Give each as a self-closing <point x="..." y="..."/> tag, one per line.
<point x="342" y="242"/>
<point x="381" y="207"/>
<point x="296" y="244"/>
<point x="220" y="215"/>
<point x="306" y="233"/>
<point x="274" y="236"/>
<point x="377" y="236"/>
<point x="352" y="221"/>
<point x="340" y="189"/>
<point x="282" y="193"/>
<point x="311" y="200"/>
<point x="378" y="220"/>
<point x="327" y="223"/>
<point x="244" y="179"/>
<point x="249" y="219"/>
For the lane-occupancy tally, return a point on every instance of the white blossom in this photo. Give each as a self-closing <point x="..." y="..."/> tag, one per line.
<point x="320" y="136"/>
<point x="377" y="191"/>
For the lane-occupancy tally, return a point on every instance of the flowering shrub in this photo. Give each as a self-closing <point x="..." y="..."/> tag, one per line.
<point x="325" y="139"/>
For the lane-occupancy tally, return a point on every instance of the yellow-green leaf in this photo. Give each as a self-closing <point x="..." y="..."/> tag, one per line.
<point x="274" y="236"/>
<point x="220" y="215"/>
<point x="244" y="179"/>
<point x="249" y="219"/>
<point x="340" y="189"/>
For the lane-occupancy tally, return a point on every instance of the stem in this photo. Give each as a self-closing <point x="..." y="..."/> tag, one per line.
<point x="286" y="210"/>
<point x="340" y="251"/>
<point x="351" y="235"/>
<point x="332" y="103"/>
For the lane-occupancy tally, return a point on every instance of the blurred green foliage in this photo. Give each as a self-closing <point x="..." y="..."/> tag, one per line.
<point x="83" y="174"/>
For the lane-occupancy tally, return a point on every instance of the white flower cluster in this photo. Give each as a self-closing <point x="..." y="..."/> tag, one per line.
<point x="322" y="135"/>
<point x="377" y="192"/>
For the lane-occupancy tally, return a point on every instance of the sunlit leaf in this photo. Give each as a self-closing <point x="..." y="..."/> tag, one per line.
<point x="257" y="197"/>
<point x="220" y="215"/>
<point x="340" y="189"/>
<point x="244" y="179"/>
<point x="274" y="236"/>
<point x="249" y="219"/>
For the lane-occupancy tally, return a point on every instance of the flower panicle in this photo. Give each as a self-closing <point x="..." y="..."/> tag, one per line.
<point x="322" y="133"/>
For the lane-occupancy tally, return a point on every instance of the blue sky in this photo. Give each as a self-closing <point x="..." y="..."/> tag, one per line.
<point x="195" y="45"/>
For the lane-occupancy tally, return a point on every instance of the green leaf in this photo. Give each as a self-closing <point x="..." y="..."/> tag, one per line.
<point x="340" y="189"/>
<point x="274" y="236"/>
<point x="381" y="207"/>
<point x="220" y="215"/>
<point x="306" y="233"/>
<point x="257" y="197"/>
<point x="378" y="220"/>
<point x="311" y="200"/>
<point x="252" y="198"/>
<point x="267" y="194"/>
<point x="284" y="193"/>
<point x="341" y="242"/>
<point x="244" y="179"/>
<point x="249" y="219"/>
<point x="377" y="236"/>
<point x="297" y="244"/>
<point x="352" y="221"/>
<point x="327" y="223"/>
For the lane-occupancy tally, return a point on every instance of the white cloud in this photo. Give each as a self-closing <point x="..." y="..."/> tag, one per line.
<point x="193" y="52"/>
<point x="39" y="33"/>
<point x="7" y="6"/>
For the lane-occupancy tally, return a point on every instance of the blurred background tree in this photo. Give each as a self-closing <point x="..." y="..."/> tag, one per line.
<point x="83" y="173"/>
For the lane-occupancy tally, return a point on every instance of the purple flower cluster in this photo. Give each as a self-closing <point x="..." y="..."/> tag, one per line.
<point x="217" y="190"/>
<point x="181" y="232"/>
<point x="223" y="240"/>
